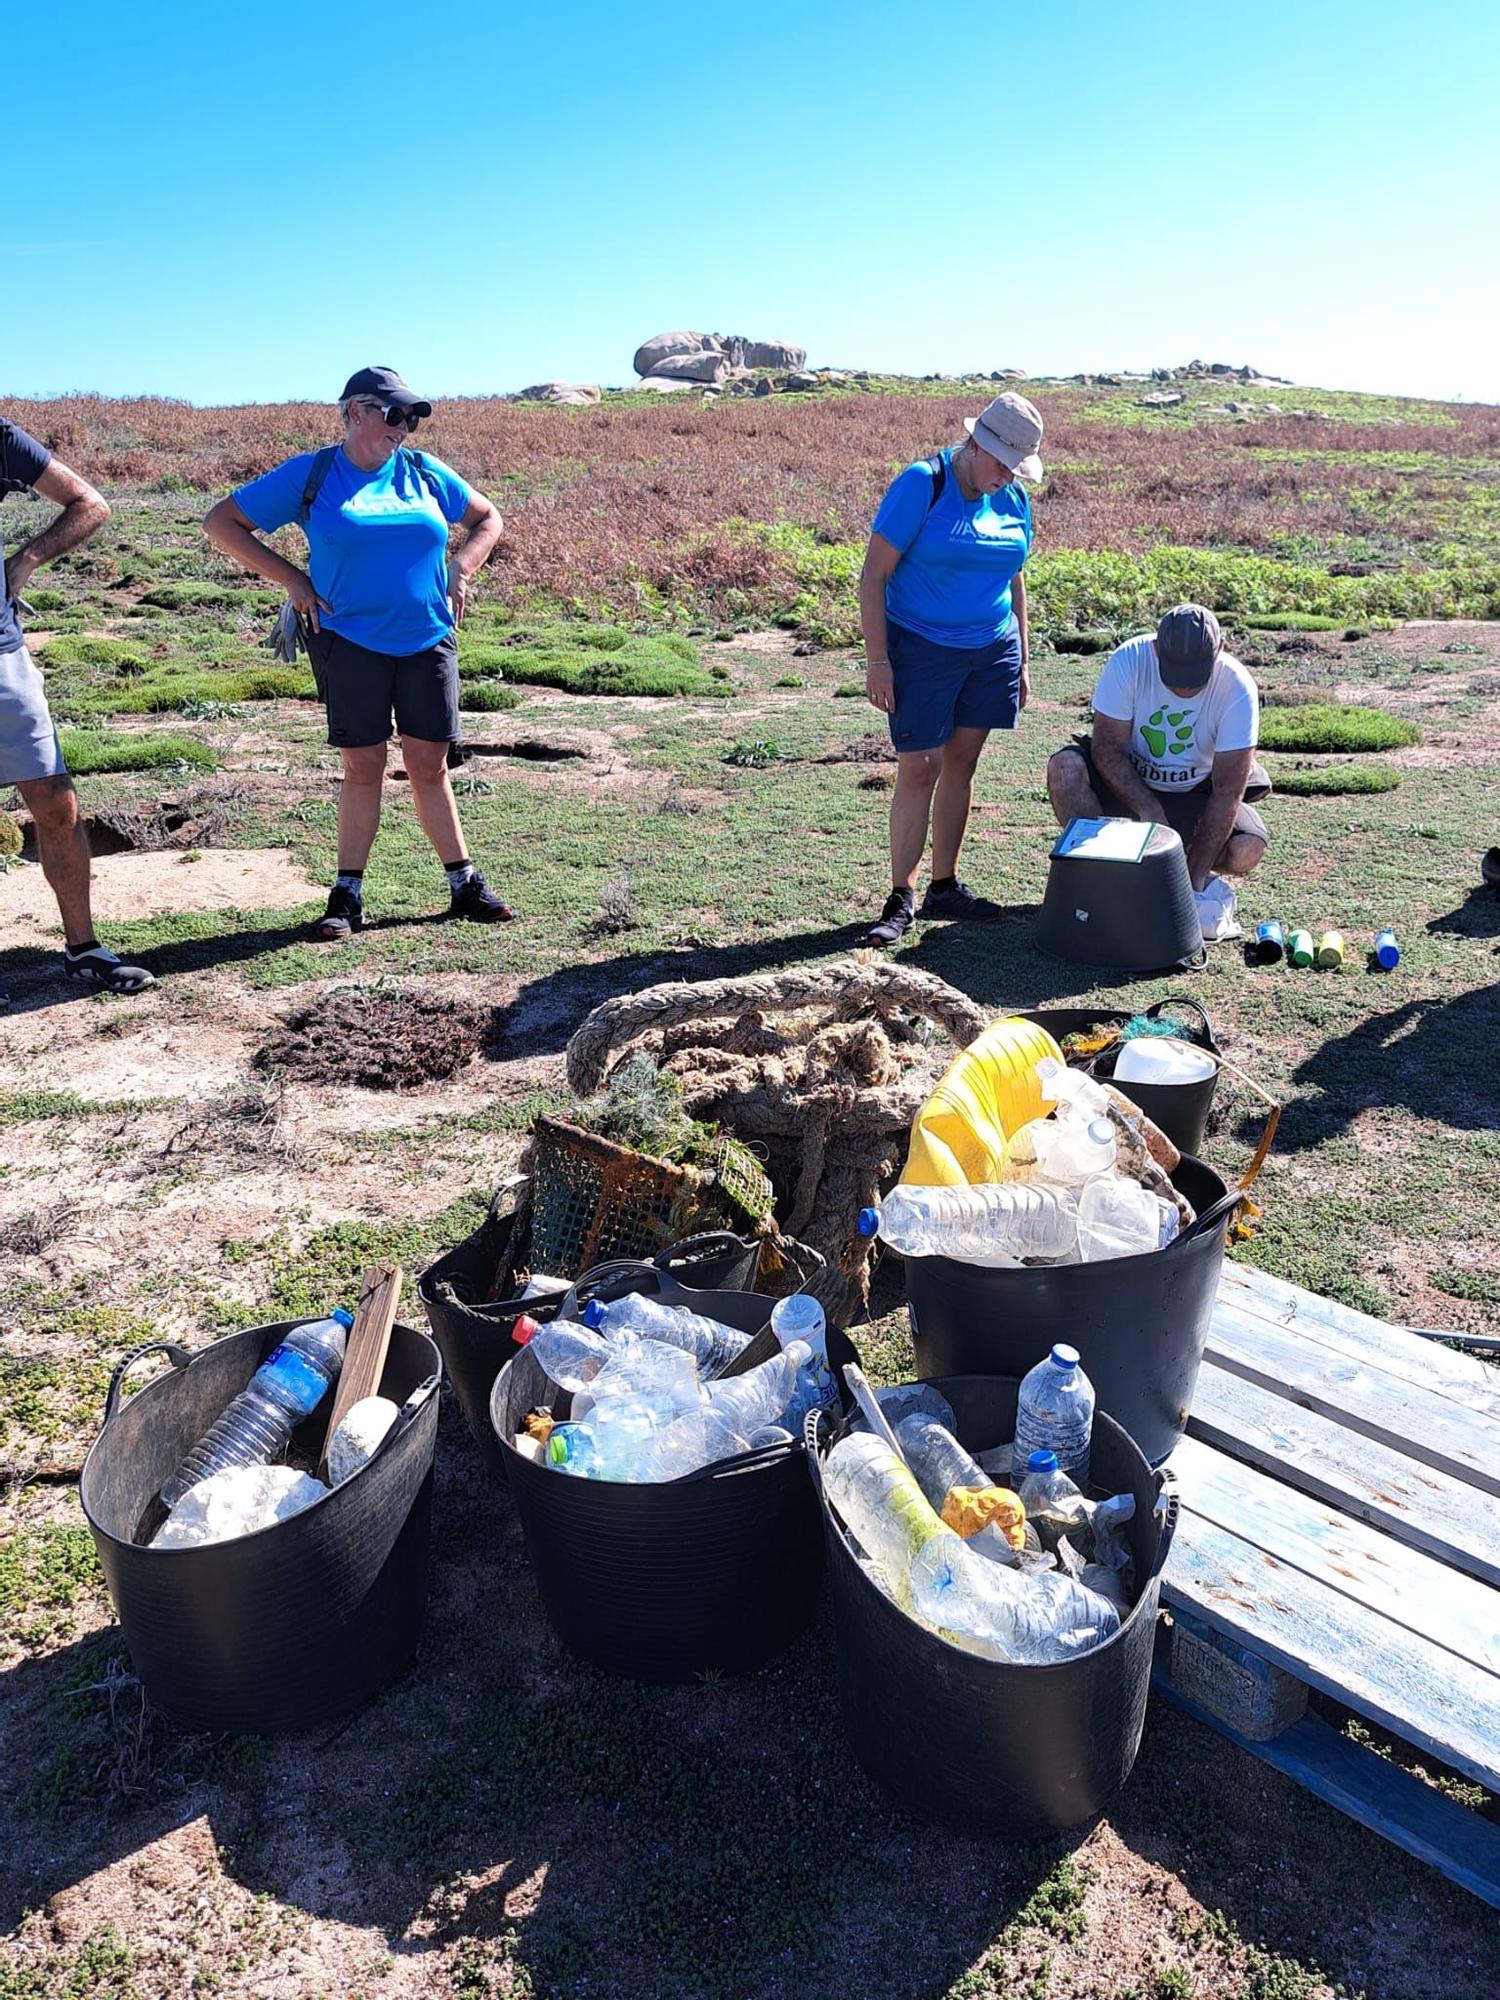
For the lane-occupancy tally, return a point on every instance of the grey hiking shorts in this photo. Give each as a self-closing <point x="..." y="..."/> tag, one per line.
<point x="29" y="747"/>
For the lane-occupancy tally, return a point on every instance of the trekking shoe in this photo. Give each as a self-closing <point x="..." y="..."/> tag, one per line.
<point x="1489" y="867"/>
<point x="958" y="902"/>
<point x="479" y="904"/>
<point x="345" y="913"/>
<point x="896" y="919"/>
<point x="106" y="970"/>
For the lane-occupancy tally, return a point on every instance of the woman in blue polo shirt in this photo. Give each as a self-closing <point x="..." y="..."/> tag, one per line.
<point x="377" y="611"/>
<point x="943" y="607"/>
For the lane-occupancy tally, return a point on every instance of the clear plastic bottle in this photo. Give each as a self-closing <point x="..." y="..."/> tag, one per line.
<point x="800" y="1317"/>
<point x="1054" y="1506"/>
<point x="938" y="1459"/>
<point x="907" y="1399"/>
<point x="569" y="1354"/>
<point x="1031" y="1618"/>
<point x="877" y="1496"/>
<point x="257" y="1426"/>
<point x="760" y="1396"/>
<point x="988" y="1223"/>
<point x="610" y="1442"/>
<point x="1055" y="1412"/>
<point x="1117" y="1217"/>
<point x="1071" y="1151"/>
<point x="1074" y="1094"/>
<point x="711" y="1345"/>
<point x="696" y="1438"/>
<point x="645" y="1368"/>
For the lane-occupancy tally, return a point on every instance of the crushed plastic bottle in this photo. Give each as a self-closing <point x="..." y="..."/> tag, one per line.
<point x="712" y="1345"/>
<point x="800" y="1317"/>
<point x="761" y="1395"/>
<point x="1117" y="1217"/>
<point x="883" y="1507"/>
<point x="1055" y="1412"/>
<point x="937" y="1458"/>
<point x="1034" y="1618"/>
<point x="569" y="1354"/>
<point x="696" y="1438"/>
<point x="240" y="1500"/>
<point x="610" y="1441"/>
<point x="1074" y="1094"/>
<point x="994" y="1224"/>
<point x="257" y="1426"/>
<point x="666" y="1375"/>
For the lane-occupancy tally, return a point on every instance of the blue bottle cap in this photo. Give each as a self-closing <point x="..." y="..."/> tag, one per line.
<point x="1042" y="1461"/>
<point x="594" y="1313"/>
<point x="869" y="1221"/>
<point x="1064" y="1356"/>
<point x="342" y="1315"/>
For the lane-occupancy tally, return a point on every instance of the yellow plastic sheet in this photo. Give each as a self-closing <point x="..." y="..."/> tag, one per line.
<point x="989" y="1092"/>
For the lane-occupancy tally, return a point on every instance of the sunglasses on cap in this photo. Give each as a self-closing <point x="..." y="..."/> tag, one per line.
<point x="394" y="415"/>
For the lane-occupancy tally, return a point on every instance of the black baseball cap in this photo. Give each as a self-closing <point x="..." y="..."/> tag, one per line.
<point x="388" y="386"/>
<point x="1188" y="643"/>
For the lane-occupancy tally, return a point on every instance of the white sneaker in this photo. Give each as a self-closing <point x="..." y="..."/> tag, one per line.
<point x="1216" y="902"/>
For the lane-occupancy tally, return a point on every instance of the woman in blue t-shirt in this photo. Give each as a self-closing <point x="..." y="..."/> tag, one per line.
<point x="942" y="603"/>
<point x="377" y="611"/>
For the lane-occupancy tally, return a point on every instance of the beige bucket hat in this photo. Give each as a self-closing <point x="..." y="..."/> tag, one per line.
<point x="1009" y="429"/>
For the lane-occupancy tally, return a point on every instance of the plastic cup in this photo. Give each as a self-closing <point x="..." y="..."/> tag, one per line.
<point x="1331" y="949"/>
<point x="1299" y="948"/>
<point x="1387" y="951"/>
<point x="1270" y="945"/>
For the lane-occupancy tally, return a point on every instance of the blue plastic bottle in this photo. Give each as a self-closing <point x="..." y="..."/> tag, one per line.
<point x="257" y="1426"/>
<point x="1387" y="951"/>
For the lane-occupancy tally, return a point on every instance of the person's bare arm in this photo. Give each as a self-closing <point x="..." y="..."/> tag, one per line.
<point x="881" y="558"/>
<point x="482" y="524"/>
<point x="1231" y="774"/>
<point x="1110" y="748"/>
<point x="233" y="534"/>
<point x="1018" y="605"/>
<point x="83" y="511"/>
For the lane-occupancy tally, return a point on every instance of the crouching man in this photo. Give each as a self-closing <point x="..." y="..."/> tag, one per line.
<point x="1176" y="720"/>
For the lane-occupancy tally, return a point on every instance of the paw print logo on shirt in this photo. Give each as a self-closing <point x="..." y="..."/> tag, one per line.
<point x="1169" y="733"/>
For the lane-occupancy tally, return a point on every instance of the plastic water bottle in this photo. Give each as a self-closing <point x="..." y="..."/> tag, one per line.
<point x="257" y="1426"/>
<point x="667" y="1376"/>
<point x="1054" y="1506"/>
<point x="1074" y="1094"/>
<point x="760" y="1396"/>
<point x="1071" y="1151"/>
<point x="938" y="1459"/>
<point x="711" y="1345"/>
<point x="1387" y="950"/>
<point x="1117" y="1217"/>
<point x="569" y="1355"/>
<point x="909" y="1399"/>
<point x="876" y="1495"/>
<point x="696" y="1438"/>
<point x="610" y="1442"/>
<point x="800" y="1317"/>
<point x="988" y="1223"/>
<point x="1034" y="1618"/>
<point x="1055" y="1412"/>
<point x="1269" y="947"/>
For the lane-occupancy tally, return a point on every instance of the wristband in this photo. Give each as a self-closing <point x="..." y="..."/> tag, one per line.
<point x="876" y="663"/>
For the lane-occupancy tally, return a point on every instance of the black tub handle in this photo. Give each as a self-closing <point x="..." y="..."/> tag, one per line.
<point x="759" y="1456"/>
<point x="706" y="1241"/>
<point x="1211" y="1215"/>
<point x="645" y="1278"/>
<point x="1203" y="1036"/>
<point x="1167" y="1507"/>
<point x="178" y="1356"/>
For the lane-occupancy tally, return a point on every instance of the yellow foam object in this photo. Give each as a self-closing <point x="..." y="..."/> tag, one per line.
<point x="990" y="1091"/>
<point x="967" y="1509"/>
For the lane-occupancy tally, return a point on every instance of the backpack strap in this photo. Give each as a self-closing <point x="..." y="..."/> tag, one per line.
<point x="317" y="472"/>
<point x="938" y="470"/>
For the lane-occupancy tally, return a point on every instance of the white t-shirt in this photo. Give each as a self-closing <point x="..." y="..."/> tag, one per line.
<point x="1173" y="738"/>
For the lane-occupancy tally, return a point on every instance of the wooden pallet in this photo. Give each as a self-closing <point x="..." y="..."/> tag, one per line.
<point x="1340" y="1530"/>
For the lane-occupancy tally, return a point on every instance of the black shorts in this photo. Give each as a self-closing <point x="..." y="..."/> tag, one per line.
<point x="362" y="691"/>
<point x="1183" y="809"/>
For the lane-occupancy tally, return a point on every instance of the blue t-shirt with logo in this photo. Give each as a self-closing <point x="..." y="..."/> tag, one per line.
<point x="377" y="542"/>
<point x="958" y="557"/>
<point x="22" y="463"/>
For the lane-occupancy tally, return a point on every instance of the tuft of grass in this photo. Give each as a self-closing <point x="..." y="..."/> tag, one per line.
<point x="486" y="697"/>
<point x="1335" y="781"/>
<point x="587" y="659"/>
<point x="1327" y="726"/>
<point x="1290" y="621"/>
<point x="849" y="691"/>
<point x="753" y="753"/>
<point x="88" y="752"/>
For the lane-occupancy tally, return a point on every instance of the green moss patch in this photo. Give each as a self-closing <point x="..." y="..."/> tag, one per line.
<point x="486" y="697"/>
<point x="1336" y="780"/>
<point x="90" y="751"/>
<point x="1325" y="726"/>
<point x="588" y="659"/>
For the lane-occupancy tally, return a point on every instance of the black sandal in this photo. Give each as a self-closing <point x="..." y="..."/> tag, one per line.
<point x="106" y="970"/>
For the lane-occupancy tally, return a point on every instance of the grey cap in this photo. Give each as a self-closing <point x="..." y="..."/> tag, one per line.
<point x="1188" y="643"/>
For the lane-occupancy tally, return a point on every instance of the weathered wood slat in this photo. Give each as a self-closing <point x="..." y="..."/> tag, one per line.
<point x="1428" y="1510"/>
<point x="1463" y="1377"/>
<point x="1432" y="1698"/>
<point x="1403" y="1415"/>
<point x="1378" y="1795"/>
<point x="1346" y="1559"/>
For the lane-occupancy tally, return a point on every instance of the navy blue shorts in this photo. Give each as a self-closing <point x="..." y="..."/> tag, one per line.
<point x="943" y="688"/>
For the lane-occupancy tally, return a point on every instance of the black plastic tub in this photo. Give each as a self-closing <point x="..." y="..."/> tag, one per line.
<point x="1180" y="1109"/>
<point x="1139" y="1323"/>
<point x="713" y="1574"/>
<point x="475" y="1338"/>
<point x="281" y="1630"/>
<point x="975" y="1745"/>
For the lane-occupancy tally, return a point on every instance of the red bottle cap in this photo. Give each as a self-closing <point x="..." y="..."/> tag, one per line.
<point x="524" y="1328"/>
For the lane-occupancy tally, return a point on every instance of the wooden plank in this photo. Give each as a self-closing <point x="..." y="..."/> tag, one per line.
<point x="1426" y="1509"/>
<point x="1443" y="1704"/>
<point x="1378" y="1795"/>
<point x="1464" y="1443"/>
<point x="1463" y="1377"/>
<point x="365" y="1350"/>
<point x="1345" y="1557"/>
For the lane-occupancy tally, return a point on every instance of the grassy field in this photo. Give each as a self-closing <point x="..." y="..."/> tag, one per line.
<point x="679" y="790"/>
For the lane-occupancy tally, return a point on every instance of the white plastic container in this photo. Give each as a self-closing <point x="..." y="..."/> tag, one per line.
<point x="1162" y="1059"/>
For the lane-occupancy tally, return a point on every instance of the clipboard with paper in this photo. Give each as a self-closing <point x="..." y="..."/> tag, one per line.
<point x="1104" y="839"/>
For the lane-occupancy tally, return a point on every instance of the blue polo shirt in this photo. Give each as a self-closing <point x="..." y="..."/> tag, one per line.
<point x="377" y="542"/>
<point x="22" y="463"/>
<point x="958" y="558"/>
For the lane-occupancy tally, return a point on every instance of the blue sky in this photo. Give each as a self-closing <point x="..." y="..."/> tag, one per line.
<point x="236" y="204"/>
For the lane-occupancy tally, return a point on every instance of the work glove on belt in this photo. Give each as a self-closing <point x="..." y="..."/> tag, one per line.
<point x="288" y="636"/>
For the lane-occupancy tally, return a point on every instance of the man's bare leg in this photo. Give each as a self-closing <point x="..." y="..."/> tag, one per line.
<point x="64" y="850"/>
<point x="1068" y="787"/>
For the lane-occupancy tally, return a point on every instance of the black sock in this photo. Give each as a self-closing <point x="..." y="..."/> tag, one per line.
<point x="906" y="894"/>
<point x="90" y="943"/>
<point x="352" y="879"/>
<point x="941" y="882"/>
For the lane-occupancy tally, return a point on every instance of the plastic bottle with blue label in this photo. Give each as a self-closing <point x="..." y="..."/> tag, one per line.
<point x="800" y="1317"/>
<point x="1055" y="1412"/>
<point x="257" y="1426"/>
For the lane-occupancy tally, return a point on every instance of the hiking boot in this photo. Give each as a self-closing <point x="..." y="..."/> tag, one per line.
<point x="106" y="970"/>
<point x="896" y="919"/>
<point x="345" y="913"/>
<point x="479" y="904"/>
<point x="958" y="901"/>
<point x="1489" y="867"/>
